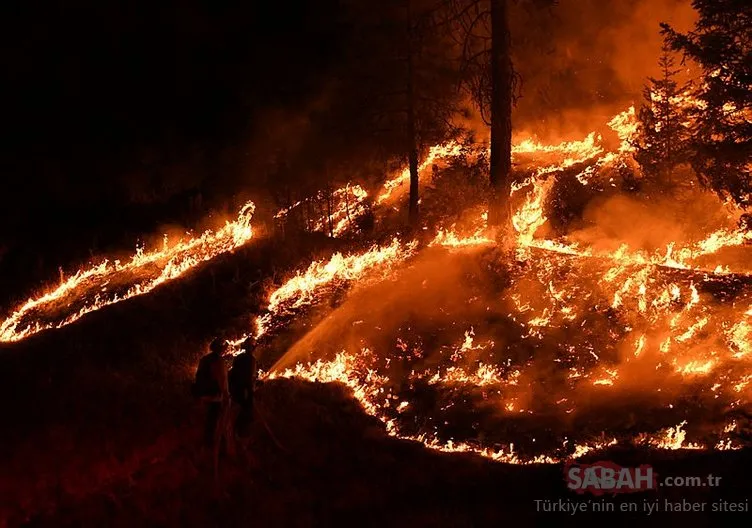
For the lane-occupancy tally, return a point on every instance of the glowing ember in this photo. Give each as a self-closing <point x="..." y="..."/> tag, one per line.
<point x="372" y="391"/>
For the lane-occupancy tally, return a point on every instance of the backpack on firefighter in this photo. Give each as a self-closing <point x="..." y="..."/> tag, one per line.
<point x="206" y="384"/>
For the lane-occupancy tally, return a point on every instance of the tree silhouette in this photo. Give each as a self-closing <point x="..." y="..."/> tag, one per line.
<point x="721" y="135"/>
<point x="401" y="79"/>
<point x="482" y="31"/>
<point x="662" y="142"/>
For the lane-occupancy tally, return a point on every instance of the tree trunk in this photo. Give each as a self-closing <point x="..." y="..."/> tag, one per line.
<point x="329" y="209"/>
<point x="667" y="115"/>
<point x="501" y="115"/>
<point x="412" y="147"/>
<point x="347" y="206"/>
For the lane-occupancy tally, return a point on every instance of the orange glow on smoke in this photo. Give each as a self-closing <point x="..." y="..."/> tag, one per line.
<point x="670" y="328"/>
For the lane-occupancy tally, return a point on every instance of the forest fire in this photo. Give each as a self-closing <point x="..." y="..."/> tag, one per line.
<point x="494" y="247"/>
<point x="657" y="316"/>
<point x="107" y="283"/>
<point x="636" y="311"/>
<point x="622" y="324"/>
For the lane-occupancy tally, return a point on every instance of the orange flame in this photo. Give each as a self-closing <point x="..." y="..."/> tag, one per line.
<point x="145" y="271"/>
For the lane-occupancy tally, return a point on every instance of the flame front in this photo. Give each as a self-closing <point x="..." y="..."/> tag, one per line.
<point x="110" y="282"/>
<point x="304" y="288"/>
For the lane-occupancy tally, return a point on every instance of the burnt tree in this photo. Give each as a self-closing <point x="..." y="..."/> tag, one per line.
<point x="412" y="140"/>
<point x="402" y="82"/>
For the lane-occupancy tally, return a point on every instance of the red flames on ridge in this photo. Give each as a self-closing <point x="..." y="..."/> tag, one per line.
<point x="621" y="320"/>
<point x="107" y="283"/>
<point x="660" y="314"/>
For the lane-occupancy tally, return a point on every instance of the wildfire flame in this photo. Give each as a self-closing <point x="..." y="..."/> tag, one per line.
<point x="87" y="290"/>
<point x="397" y="186"/>
<point x="304" y="288"/>
<point x="662" y="320"/>
<point x="656" y="310"/>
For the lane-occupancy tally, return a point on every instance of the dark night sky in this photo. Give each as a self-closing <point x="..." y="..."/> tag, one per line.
<point x="102" y="98"/>
<point x="101" y="74"/>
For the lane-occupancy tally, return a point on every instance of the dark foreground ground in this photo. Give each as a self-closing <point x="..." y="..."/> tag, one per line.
<point x="99" y="429"/>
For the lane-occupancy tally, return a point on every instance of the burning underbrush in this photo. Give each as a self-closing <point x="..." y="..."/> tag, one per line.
<point x="535" y="360"/>
<point x="603" y="316"/>
<point x="109" y="282"/>
<point x="625" y="318"/>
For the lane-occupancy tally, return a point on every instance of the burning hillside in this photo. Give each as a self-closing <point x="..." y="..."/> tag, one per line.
<point x="491" y="244"/>
<point x="562" y="346"/>
<point x="460" y="349"/>
<point x="554" y="344"/>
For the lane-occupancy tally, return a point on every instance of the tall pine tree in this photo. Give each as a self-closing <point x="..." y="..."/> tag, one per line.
<point x="661" y="144"/>
<point x="721" y="43"/>
<point x="400" y="81"/>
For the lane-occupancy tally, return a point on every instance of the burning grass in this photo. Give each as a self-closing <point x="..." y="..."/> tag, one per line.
<point x="107" y="283"/>
<point x="522" y="371"/>
<point x="572" y="344"/>
<point x="572" y="341"/>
